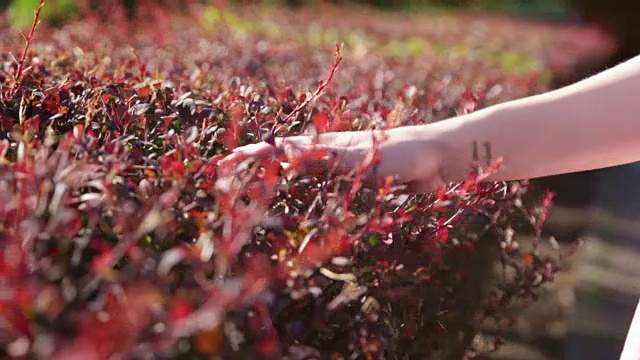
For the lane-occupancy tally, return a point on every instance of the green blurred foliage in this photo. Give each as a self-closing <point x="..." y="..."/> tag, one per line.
<point x="548" y="9"/>
<point x="54" y="12"/>
<point x="58" y="11"/>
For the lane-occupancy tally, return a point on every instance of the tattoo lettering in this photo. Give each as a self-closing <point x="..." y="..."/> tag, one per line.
<point x="488" y="155"/>
<point x="475" y="156"/>
<point x="487" y="147"/>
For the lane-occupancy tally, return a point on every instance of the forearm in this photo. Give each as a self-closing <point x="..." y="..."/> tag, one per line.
<point x="588" y="125"/>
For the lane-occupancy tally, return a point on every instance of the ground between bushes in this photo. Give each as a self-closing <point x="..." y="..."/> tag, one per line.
<point x="540" y="330"/>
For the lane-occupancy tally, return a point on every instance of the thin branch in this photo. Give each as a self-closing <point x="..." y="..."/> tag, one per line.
<point x="321" y="86"/>
<point x="27" y="39"/>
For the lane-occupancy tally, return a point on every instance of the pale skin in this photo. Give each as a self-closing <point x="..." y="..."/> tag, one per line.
<point x="592" y="124"/>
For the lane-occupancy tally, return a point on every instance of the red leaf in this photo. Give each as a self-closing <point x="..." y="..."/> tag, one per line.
<point x="33" y="123"/>
<point x="527" y="259"/>
<point x="269" y="346"/>
<point x="4" y="148"/>
<point x="271" y="172"/>
<point x="103" y="261"/>
<point x="180" y="309"/>
<point x="321" y="120"/>
<point x="313" y="254"/>
<point x="442" y="234"/>
<point x="172" y="167"/>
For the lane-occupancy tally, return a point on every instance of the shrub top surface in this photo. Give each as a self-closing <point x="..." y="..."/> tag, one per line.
<point x="120" y="234"/>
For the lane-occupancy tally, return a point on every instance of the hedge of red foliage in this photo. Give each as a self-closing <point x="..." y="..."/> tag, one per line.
<point x="121" y="236"/>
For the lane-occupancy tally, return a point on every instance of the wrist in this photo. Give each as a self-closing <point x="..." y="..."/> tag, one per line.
<point x="455" y="145"/>
<point x="413" y="153"/>
<point x="472" y="141"/>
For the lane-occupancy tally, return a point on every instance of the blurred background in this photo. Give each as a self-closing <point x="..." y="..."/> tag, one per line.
<point x="547" y="9"/>
<point x="600" y="290"/>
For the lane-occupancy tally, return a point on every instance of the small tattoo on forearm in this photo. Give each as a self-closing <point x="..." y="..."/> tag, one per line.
<point x="488" y="154"/>
<point x="475" y="152"/>
<point x="487" y="147"/>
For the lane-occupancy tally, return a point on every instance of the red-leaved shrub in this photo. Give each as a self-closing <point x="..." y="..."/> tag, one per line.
<point x="121" y="237"/>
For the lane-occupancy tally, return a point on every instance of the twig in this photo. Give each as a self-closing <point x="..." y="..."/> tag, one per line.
<point x="142" y="67"/>
<point x="321" y="86"/>
<point x="28" y="39"/>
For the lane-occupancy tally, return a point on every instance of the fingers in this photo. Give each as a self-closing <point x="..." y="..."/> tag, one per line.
<point x="256" y="151"/>
<point x="424" y="186"/>
<point x="298" y="151"/>
<point x="342" y="162"/>
<point x="316" y="167"/>
<point x="291" y="147"/>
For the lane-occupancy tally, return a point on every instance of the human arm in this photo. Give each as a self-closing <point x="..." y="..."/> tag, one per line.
<point x="591" y="124"/>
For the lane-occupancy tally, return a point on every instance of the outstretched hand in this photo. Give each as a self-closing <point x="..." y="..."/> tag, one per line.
<point x="415" y="164"/>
